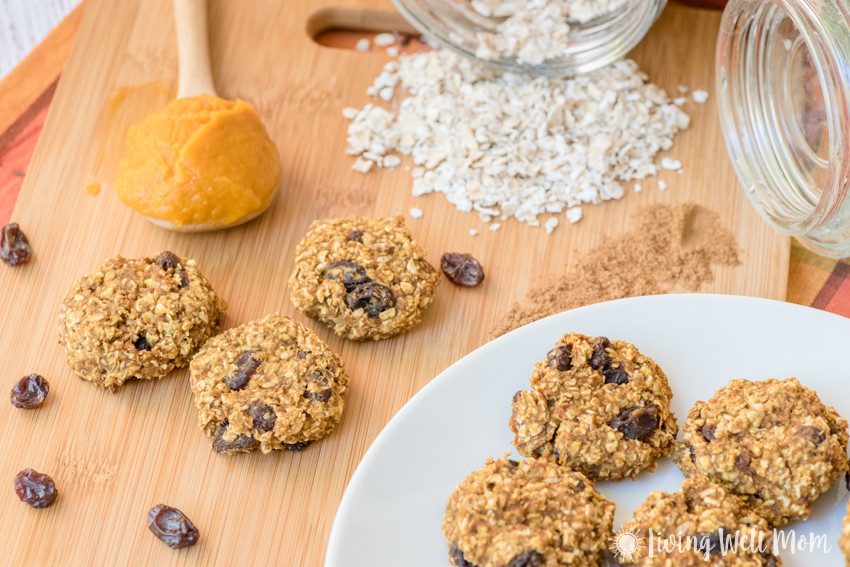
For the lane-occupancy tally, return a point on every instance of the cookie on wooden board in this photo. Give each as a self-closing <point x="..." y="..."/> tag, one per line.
<point x="365" y="278"/>
<point x="269" y="384"/>
<point x="137" y="319"/>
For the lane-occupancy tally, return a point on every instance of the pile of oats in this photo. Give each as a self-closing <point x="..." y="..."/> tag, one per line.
<point x="534" y="31"/>
<point x="514" y="146"/>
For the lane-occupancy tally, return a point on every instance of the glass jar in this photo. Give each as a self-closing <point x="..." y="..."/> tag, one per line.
<point x="783" y="89"/>
<point x="456" y="25"/>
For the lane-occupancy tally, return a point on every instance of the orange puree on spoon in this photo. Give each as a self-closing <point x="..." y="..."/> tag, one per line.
<point x="199" y="161"/>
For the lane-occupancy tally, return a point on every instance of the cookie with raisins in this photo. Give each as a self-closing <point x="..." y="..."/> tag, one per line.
<point x="772" y="442"/>
<point x="137" y="319"/>
<point x="526" y="513"/>
<point x="365" y="278"/>
<point x="596" y="406"/>
<point x="269" y="384"/>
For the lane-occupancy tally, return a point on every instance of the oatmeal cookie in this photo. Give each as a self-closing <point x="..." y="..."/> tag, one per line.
<point x="596" y="406"/>
<point x="772" y="442"/>
<point x="701" y="524"/>
<point x="526" y="513"/>
<point x="137" y="318"/>
<point x="269" y="384"/>
<point x="366" y="278"/>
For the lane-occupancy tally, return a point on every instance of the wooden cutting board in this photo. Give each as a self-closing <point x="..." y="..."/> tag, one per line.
<point x="113" y="456"/>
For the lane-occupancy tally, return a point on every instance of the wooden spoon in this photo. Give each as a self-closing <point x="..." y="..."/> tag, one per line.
<point x="193" y="54"/>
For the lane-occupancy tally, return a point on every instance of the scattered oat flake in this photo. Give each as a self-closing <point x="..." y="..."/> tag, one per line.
<point x="679" y="101"/>
<point x="662" y="185"/>
<point x="682" y="89"/>
<point x="638" y="188"/>
<point x="550" y="225"/>
<point x="495" y="226"/>
<point x="671" y="164"/>
<point x="349" y="113"/>
<point x="363" y="45"/>
<point x="362" y="165"/>
<point x="392" y="51"/>
<point x="700" y="96"/>
<point x="391" y="161"/>
<point x="384" y="39"/>
<point x="416" y="212"/>
<point x="507" y="146"/>
<point x="574" y="214"/>
<point x="473" y="232"/>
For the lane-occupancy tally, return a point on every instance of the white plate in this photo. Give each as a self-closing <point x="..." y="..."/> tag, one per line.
<point x="392" y="510"/>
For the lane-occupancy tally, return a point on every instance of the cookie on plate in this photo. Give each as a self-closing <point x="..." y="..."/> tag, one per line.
<point x="596" y="406"/>
<point x="524" y="513"/>
<point x="137" y="318"/>
<point x="701" y="524"/>
<point x="773" y="442"/>
<point x="269" y="384"/>
<point x="366" y="278"/>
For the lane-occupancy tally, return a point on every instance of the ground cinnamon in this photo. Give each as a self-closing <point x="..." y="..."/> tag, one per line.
<point x="672" y="249"/>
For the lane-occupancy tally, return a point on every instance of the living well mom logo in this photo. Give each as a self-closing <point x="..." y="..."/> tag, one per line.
<point x="628" y="545"/>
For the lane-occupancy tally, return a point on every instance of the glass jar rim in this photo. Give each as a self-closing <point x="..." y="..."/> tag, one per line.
<point x="595" y="44"/>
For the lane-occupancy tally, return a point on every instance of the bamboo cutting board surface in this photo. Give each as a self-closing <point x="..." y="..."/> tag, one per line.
<point x="113" y="456"/>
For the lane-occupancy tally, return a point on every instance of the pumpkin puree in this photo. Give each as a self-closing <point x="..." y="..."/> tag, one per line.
<point x="199" y="160"/>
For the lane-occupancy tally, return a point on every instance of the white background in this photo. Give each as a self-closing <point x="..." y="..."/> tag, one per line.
<point x="24" y="23"/>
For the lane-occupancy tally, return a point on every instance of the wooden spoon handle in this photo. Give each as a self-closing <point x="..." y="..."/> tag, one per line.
<point x="193" y="48"/>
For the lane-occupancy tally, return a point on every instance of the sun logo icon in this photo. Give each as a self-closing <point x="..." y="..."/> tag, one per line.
<point x="626" y="544"/>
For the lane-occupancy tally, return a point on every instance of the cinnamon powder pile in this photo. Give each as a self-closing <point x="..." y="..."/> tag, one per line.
<point x="672" y="250"/>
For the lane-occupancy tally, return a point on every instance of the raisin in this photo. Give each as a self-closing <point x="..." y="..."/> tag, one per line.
<point x="599" y="358"/>
<point x="636" y="422"/>
<point x="372" y="297"/>
<point x="709" y="542"/>
<point x="300" y="446"/>
<point x="142" y="344"/>
<point x="30" y="391"/>
<point x="560" y="357"/>
<point x="350" y="274"/>
<point x="616" y="376"/>
<point x="36" y="489"/>
<point x="356" y="236"/>
<point x="242" y="443"/>
<point x="580" y="486"/>
<point x="743" y="462"/>
<point x="184" y="279"/>
<point x="172" y="526"/>
<point x="769" y="559"/>
<point x="322" y="393"/>
<point x="462" y="269"/>
<point x="847" y="480"/>
<point x="811" y="434"/>
<point x="513" y="463"/>
<point x="14" y="246"/>
<point x="457" y="558"/>
<point x="246" y="365"/>
<point x="555" y="452"/>
<point x="167" y="261"/>
<point x="708" y="432"/>
<point x="263" y="415"/>
<point x="693" y="453"/>
<point x="530" y="558"/>
<point x="301" y="354"/>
